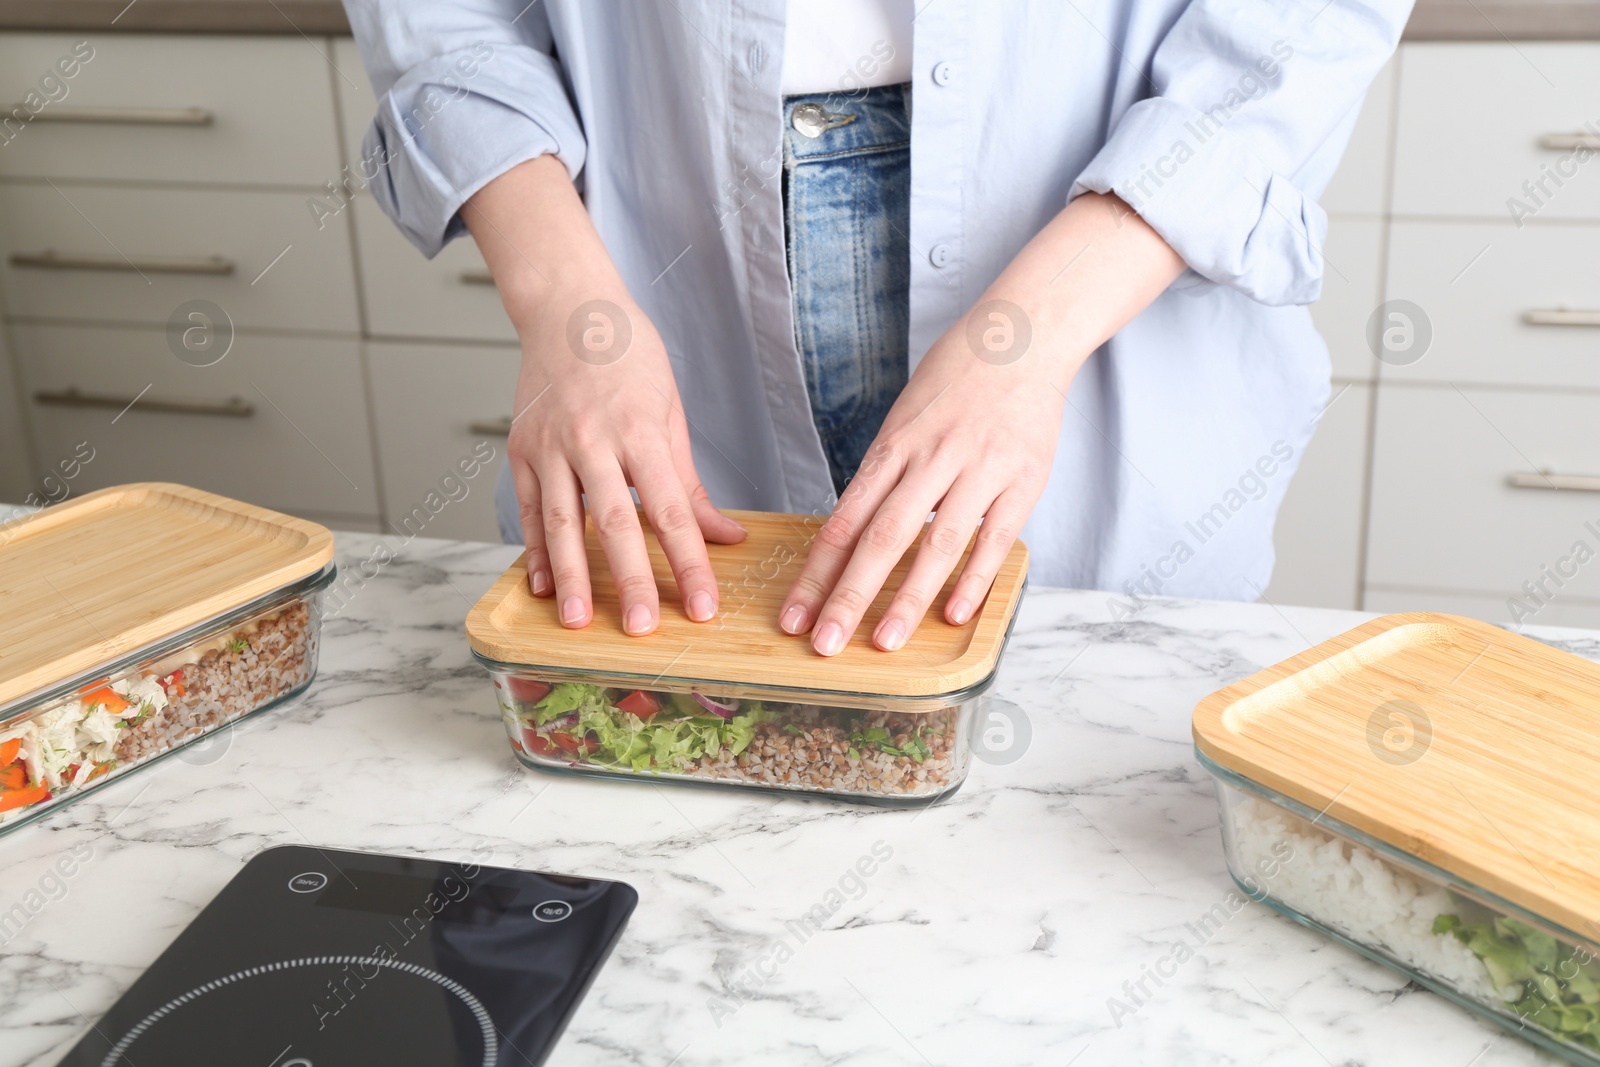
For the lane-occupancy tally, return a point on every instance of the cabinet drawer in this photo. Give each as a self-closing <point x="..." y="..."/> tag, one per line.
<point x="1443" y="514"/>
<point x="303" y="446"/>
<point x="433" y="405"/>
<point x="1317" y="536"/>
<point x="1353" y="258"/>
<point x="135" y="254"/>
<point x="1472" y="123"/>
<point x="1480" y="283"/>
<point x="449" y="296"/>
<point x="191" y="109"/>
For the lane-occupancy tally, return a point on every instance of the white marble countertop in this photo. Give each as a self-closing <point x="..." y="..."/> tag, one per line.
<point x="1004" y="921"/>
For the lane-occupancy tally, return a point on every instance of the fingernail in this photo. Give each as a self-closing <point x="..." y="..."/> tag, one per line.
<point x="830" y="639"/>
<point x="794" y="620"/>
<point x="572" y="610"/>
<point x="540" y="583"/>
<point x="960" y="612"/>
<point x="637" y="620"/>
<point x="700" y="606"/>
<point x="891" y="635"/>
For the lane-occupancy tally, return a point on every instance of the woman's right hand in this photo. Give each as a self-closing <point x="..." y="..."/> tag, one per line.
<point x="596" y="410"/>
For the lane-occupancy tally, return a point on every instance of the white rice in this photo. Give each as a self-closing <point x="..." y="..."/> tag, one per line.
<point x="1353" y="890"/>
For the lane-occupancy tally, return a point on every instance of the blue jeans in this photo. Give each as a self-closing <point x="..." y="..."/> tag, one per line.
<point x="847" y="213"/>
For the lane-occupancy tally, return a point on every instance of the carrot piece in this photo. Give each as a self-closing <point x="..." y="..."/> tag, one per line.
<point x="13" y="777"/>
<point x="21" y="798"/>
<point x="9" y="750"/>
<point x="108" y="697"/>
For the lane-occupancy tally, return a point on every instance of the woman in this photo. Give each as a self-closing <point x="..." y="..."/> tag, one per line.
<point x="1030" y="266"/>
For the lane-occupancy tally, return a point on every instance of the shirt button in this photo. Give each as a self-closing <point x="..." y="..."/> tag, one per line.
<point x="939" y="255"/>
<point x="942" y="74"/>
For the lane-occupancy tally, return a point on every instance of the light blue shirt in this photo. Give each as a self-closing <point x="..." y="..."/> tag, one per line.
<point x="1219" y="121"/>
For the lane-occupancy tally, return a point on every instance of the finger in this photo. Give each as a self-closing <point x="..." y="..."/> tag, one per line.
<point x="676" y="526"/>
<point x="562" y="510"/>
<point x="999" y="531"/>
<point x="714" y="525"/>
<point x="531" y="516"/>
<point x="882" y="544"/>
<point x="941" y="549"/>
<point x="836" y="539"/>
<point x="616" y="519"/>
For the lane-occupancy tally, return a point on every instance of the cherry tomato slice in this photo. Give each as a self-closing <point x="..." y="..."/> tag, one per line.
<point x="538" y="744"/>
<point x="572" y="744"/>
<point x="527" y="690"/>
<point x="640" y="703"/>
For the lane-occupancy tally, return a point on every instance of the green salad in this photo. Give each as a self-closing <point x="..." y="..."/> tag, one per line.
<point x="633" y="729"/>
<point x="1550" y="984"/>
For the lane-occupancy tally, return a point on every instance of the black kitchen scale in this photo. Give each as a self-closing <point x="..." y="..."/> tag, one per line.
<point x="316" y="958"/>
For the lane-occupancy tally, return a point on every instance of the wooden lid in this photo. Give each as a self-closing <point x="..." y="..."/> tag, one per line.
<point x="742" y="649"/>
<point x="93" y="579"/>
<point x="1470" y="747"/>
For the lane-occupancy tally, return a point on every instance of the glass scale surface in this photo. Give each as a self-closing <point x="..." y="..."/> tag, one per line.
<point x="320" y="958"/>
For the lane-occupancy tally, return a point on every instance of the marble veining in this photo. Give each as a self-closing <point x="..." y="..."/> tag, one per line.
<point x="995" y="929"/>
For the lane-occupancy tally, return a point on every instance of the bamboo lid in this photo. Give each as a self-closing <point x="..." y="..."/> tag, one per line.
<point x="87" y="581"/>
<point x="1468" y="746"/>
<point x="742" y="649"/>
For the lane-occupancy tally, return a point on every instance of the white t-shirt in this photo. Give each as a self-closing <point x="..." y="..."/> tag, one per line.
<point x="846" y="45"/>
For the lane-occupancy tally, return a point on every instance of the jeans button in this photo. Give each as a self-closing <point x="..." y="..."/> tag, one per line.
<point x="942" y="73"/>
<point x="939" y="255"/>
<point x="809" y="120"/>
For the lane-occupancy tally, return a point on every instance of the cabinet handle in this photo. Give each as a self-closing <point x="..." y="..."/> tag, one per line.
<point x="127" y="116"/>
<point x="50" y="259"/>
<point x="491" y="427"/>
<point x="1561" y="317"/>
<point x="234" y="407"/>
<point x="476" y="277"/>
<point x="1560" y="142"/>
<point x="1572" y="483"/>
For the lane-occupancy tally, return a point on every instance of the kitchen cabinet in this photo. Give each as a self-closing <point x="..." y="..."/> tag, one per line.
<point x="1507" y="383"/>
<point x="1506" y="280"/>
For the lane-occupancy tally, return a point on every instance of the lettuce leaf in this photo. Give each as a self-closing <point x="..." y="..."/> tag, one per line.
<point x="566" y="698"/>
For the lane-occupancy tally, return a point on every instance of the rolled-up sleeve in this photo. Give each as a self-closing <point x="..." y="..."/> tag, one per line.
<point x="1245" y="95"/>
<point x="466" y="91"/>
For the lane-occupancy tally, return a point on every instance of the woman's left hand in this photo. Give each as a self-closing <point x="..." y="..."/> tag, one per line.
<point x="971" y="438"/>
<point x="973" y="435"/>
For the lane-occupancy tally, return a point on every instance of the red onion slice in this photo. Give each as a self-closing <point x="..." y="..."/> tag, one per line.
<point x="725" y="711"/>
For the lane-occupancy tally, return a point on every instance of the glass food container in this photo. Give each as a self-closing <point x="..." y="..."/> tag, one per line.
<point x="1423" y="789"/>
<point x="735" y="701"/>
<point x="139" y="619"/>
